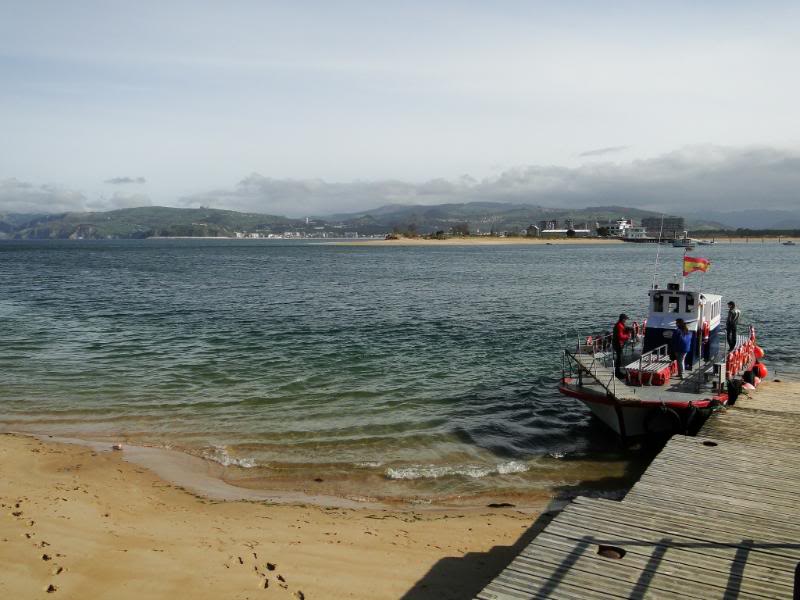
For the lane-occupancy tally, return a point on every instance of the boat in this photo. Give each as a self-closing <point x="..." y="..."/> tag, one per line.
<point x="645" y="396"/>
<point x="684" y="242"/>
<point x="789" y="243"/>
<point x="706" y="242"/>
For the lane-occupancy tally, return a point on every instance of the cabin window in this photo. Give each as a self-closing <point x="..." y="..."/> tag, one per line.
<point x="674" y="304"/>
<point x="689" y="303"/>
<point x="658" y="303"/>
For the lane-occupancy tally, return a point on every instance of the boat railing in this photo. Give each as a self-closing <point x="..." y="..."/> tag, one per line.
<point x="599" y="365"/>
<point x="594" y="354"/>
<point x="600" y="345"/>
<point x="654" y="356"/>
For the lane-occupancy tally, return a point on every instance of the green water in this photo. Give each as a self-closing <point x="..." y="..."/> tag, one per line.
<point x="416" y="373"/>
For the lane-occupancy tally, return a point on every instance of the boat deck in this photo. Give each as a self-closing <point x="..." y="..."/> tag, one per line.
<point x="714" y="516"/>
<point x="693" y="387"/>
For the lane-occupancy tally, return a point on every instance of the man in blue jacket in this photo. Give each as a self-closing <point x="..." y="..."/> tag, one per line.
<point x="681" y="344"/>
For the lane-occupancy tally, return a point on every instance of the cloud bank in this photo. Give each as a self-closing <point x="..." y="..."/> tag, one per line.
<point x="24" y="197"/>
<point x="125" y="180"/>
<point x="691" y="180"/>
<point x="688" y="180"/>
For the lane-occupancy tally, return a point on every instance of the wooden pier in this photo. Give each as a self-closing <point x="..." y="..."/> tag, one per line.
<point x="714" y="516"/>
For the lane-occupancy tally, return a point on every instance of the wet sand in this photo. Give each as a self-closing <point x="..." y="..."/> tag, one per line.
<point x="85" y="523"/>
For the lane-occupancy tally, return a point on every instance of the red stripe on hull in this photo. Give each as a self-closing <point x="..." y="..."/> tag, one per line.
<point x="569" y="389"/>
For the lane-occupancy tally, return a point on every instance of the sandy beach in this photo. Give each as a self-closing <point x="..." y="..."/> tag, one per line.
<point x="80" y="523"/>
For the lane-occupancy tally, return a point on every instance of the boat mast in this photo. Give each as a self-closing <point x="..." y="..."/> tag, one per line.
<point x="683" y="272"/>
<point x="658" y="251"/>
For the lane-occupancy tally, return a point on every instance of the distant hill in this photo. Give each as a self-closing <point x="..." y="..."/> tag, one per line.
<point x="488" y="216"/>
<point x="132" y="223"/>
<point x="144" y="222"/>
<point x="758" y="218"/>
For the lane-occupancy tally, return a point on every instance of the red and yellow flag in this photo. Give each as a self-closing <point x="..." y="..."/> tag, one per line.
<point x="690" y="265"/>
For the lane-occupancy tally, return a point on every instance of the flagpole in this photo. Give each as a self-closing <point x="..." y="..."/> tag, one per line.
<point x="683" y="270"/>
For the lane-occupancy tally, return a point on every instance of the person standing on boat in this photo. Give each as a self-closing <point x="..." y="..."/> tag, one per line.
<point x="681" y="344"/>
<point x="619" y="338"/>
<point x="731" y="324"/>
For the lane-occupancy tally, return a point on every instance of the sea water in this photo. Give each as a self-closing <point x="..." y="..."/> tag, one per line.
<point x="413" y="374"/>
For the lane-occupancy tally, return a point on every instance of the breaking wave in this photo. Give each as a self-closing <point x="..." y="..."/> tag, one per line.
<point x="220" y="455"/>
<point x="437" y="471"/>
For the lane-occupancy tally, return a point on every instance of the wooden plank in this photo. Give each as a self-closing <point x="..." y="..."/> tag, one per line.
<point x="675" y="563"/>
<point x="772" y="396"/>
<point x="730" y="457"/>
<point x="681" y="550"/>
<point x="707" y="521"/>
<point x="660" y="520"/>
<point x="643" y="491"/>
<point x="767" y="490"/>
<point x="615" y="577"/>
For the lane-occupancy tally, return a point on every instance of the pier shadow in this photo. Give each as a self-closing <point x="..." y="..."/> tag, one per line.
<point x="463" y="577"/>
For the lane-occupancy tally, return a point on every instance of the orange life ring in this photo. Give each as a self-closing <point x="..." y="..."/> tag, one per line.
<point x="706" y="330"/>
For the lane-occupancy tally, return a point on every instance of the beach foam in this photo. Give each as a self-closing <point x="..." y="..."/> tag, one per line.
<point x="437" y="471"/>
<point x="220" y="455"/>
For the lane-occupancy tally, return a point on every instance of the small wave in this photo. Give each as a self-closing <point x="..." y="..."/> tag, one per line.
<point x="220" y="455"/>
<point x="369" y="464"/>
<point x="557" y="454"/>
<point x="472" y="471"/>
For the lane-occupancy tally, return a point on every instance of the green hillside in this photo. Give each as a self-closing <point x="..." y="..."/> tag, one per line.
<point x="155" y="221"/>
<point x="148" y="222"/>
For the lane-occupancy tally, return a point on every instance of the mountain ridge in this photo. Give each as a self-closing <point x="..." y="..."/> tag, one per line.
<point x="162" y="221"/>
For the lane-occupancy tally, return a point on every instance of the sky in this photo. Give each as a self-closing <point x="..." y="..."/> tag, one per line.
<point x="320" y="107"/>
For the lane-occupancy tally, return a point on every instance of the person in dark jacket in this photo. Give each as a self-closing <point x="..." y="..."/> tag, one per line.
<point x="681" y="344"/>
<point x="731" y="324"/>
<point x="619" y="338"/>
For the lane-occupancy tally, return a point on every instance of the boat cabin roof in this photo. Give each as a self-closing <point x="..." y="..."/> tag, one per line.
<point x="667" y="305"/>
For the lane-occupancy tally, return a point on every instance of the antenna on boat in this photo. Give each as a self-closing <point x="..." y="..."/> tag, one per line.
<point x="683" y="271"/>
<point x="658" y="251"/>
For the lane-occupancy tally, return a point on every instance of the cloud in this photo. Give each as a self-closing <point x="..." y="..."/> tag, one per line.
<point x="688" y="179"/>
<point x="125" y="180"/>
<point x="603" y="151"/>
<point x="23" y="197"/>
<point x="693" y="179"/>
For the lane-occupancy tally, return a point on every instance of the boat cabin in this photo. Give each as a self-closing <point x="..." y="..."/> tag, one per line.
<point x="701" y="312"/>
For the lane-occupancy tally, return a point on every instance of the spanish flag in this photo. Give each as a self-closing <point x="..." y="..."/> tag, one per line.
<point x="690" y="265"/>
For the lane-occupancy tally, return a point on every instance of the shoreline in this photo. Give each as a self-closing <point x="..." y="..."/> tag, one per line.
<point x="526" y="241"/>
<point x="208" y="478"/>
<point x="92" y="524"/>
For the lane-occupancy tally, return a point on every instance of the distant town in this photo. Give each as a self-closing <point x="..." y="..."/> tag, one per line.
<point x="651" y="228"/>
<point x="432" y="222"/>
